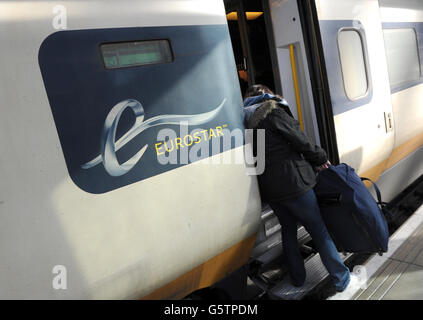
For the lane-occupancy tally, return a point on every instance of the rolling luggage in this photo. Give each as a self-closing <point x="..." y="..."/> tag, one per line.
<point x="353" y="218"/>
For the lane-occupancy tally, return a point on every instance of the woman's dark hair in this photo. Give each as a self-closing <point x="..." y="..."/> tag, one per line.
<point x="257" y="90"/>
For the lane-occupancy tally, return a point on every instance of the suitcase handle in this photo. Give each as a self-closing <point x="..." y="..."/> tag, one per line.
<point x="378" y="194"/>
<point x="383" y="205"/>
<point x="329" y="199"/>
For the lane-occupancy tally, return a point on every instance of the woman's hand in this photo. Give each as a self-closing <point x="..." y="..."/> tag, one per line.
<point x="323" y="166"/>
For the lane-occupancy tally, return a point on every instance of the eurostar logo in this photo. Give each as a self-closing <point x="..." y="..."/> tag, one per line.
<point x="109" y="146"/>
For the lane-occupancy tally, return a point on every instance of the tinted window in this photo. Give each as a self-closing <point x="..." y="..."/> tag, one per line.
<point x="402" y="55"/>
<point x="352" y="64"/>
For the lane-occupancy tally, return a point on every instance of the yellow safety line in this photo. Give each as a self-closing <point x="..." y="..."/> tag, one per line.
<point x="297" y="91"/>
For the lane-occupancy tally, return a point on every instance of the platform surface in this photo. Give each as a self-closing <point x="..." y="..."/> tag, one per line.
<point x="398" y="274"/>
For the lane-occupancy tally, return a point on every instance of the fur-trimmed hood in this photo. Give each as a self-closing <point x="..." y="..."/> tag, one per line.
<point x="263" y="110"/>
<point x="261" y="113"/>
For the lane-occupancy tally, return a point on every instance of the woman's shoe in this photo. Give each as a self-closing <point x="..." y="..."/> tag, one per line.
<point x="346" y="294"/>
<point x="297" y="284"/>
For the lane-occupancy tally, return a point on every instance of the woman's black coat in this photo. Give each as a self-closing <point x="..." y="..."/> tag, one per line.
<point x="290" y="156"/>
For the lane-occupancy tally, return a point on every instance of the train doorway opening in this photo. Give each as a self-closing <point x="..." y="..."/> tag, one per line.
<point x="250" y="30"/>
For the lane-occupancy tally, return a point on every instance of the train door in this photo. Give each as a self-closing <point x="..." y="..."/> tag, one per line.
<point x="293" y="68"/>
<point x="358" y="83"/>
<point x="250" y="41"/>
<point x="268" y="49"/>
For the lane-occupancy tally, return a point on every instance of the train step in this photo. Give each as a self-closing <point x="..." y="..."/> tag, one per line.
<point x="275" y="246"/>
<point x="267" y="270"/>
<point x="316" y="274"/>
<point x="269" y="240"/>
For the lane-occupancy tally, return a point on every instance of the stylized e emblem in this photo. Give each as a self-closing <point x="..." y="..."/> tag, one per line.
<point x="108" y="135"/>
<point x="108" y="148"/>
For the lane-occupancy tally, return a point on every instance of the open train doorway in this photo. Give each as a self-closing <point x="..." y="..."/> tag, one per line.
<point x="249" y="28"/>
<point x="269" y="48"/>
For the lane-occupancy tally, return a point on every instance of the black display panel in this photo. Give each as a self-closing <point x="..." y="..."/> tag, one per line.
<point x="135" y="53"/>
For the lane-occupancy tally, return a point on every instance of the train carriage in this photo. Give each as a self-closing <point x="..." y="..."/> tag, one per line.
<point x="87" y="87"/>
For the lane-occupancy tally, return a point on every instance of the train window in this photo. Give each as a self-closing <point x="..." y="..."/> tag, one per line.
<point x="402" y="55"/>
<point x="135" y="53"/>
<point x="353" y="65"/>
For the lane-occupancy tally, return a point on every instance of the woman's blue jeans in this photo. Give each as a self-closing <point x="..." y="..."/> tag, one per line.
<point x="305" y="209"/>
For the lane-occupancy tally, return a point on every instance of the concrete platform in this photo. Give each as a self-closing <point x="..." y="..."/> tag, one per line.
<point x="398" y="274"/>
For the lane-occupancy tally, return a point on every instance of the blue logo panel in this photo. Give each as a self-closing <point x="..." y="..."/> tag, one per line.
<point x="108" y="119"/>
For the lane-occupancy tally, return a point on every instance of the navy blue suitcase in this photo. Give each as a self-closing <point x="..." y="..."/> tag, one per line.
<point x="353" y="218"/>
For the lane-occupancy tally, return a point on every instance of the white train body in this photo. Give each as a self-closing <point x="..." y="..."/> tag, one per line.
<point x="381" y="132"/>
<point x="129" y="240"/>
<point x="373" y="81"/>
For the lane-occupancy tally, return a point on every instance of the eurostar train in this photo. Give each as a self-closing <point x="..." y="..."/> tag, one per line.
<point x="88" y="210"/>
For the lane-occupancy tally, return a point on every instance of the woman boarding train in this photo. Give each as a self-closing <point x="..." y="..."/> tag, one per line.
<point x="288" y="180"/>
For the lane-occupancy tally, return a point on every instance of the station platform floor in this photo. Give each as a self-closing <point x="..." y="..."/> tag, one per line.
<point x="398" y="274"/>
